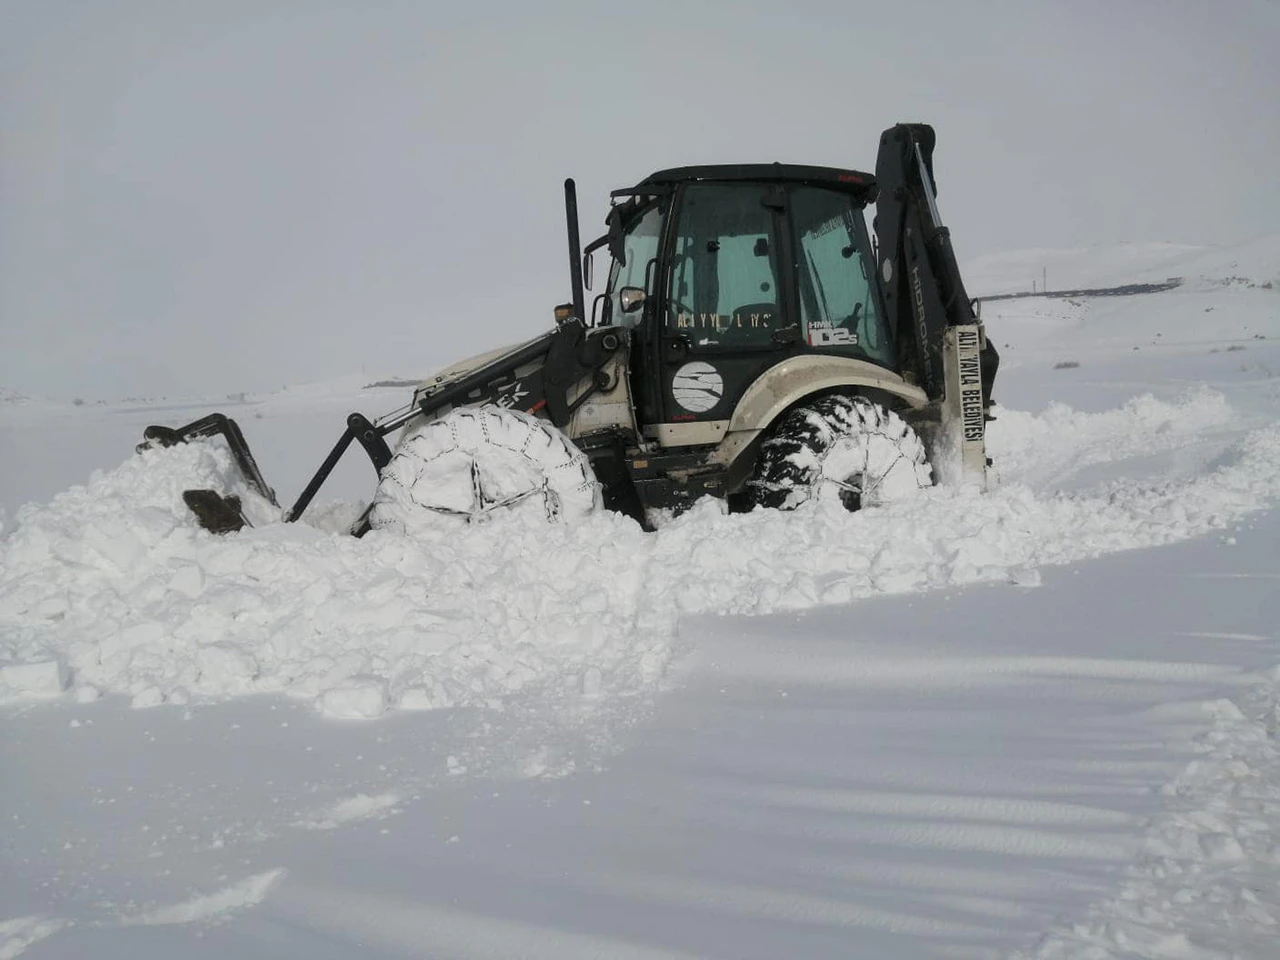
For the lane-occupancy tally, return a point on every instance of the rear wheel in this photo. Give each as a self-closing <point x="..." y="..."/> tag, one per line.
<point x="844" y="449"/>
<point x="477" y="461"/>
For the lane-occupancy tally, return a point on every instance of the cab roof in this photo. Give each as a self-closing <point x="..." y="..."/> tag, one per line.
<point x="854" y="181"/>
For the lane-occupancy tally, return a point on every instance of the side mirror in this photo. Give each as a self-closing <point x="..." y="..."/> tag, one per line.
<point x="588" y="262"/>
<point x="630" y="299"/>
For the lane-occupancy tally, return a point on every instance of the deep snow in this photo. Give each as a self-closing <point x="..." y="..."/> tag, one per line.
<point x="610" y="762"/>
<point x="112" y="588"/>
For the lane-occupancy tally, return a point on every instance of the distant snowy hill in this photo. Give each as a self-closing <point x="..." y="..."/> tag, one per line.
<point x="1257" y="262"/>
<point x="1223" y="320"/>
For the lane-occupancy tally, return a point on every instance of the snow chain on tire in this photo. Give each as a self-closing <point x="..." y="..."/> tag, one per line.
<point x="844" y="448"/>
<point x="475" y="461"/>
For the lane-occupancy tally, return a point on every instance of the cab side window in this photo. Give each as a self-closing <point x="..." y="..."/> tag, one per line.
<point x="838" y="306"/>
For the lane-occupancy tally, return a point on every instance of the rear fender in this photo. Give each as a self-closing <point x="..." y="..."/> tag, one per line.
<point x="785" y="384"/>
<point x="789" y="383"/>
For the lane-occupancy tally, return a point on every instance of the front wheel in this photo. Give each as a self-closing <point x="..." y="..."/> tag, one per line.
<point x="478" y="461"/>
<point x="844" y="449"/>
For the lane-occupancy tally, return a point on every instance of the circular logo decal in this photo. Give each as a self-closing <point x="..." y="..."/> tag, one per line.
<point x="697" y="386"/>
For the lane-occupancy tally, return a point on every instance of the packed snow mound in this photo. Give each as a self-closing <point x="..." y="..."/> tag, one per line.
<point x="113" y="588"/>
<point x="1062" y="440"/>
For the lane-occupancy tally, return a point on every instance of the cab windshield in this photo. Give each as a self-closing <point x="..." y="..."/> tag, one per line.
<point x="640" y="248"/>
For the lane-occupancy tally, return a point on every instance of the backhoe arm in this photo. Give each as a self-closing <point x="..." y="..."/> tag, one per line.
<point x="924" y="292"/>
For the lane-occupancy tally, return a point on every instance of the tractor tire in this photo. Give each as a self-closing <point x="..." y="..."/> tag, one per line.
<point x="841" y="449"/>
<point x="478" y="461"/>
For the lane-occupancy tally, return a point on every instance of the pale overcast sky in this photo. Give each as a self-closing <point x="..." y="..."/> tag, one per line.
<point x="207" y="197"/>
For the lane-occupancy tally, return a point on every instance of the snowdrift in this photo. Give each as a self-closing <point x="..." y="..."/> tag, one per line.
<point x="113" y="589"/>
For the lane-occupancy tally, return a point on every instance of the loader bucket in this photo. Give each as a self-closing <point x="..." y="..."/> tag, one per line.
<point x="217" y="513"/>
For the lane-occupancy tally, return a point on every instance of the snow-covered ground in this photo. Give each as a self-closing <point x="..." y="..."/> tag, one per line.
<point x="960" y="726"/>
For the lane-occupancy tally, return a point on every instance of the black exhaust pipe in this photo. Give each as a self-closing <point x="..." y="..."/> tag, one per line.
<point x="575" y="248"/>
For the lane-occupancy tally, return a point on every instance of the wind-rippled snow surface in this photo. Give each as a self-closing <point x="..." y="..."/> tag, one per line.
<point x="113" y="588"/>
<point x="1203" y="885"/>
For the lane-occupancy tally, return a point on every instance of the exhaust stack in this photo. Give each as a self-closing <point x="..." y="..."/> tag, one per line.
<point x="575" y="248"/>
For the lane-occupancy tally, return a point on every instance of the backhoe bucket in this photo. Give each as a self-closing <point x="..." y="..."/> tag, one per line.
<point x="217" y="513"/>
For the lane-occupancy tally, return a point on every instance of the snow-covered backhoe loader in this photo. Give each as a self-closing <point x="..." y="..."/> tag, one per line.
<point x="752" y="342"/>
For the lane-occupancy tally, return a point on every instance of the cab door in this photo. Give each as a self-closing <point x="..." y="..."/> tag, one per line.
<point x="725" y="311"/>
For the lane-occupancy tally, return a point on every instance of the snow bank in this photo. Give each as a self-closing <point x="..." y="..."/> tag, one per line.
<point x="1061" y="439"/>
<point x="116" y="583"/>
<point x="113" y="588"/>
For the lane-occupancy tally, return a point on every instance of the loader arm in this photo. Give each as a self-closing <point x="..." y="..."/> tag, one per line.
<point x="551" y="375"/>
